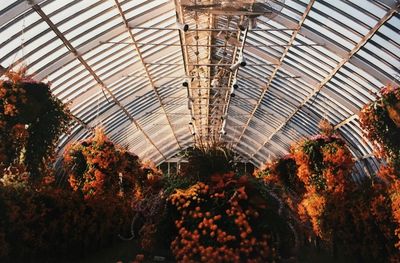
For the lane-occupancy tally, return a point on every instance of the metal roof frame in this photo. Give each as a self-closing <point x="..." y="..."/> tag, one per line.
<point x="121" y="64"/>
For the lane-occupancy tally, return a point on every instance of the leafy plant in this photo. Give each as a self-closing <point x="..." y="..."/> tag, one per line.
<point x="381" y="124"/>
<point x="203" y="162"/>
<point x="96" y="166"/>
<point x="282" y="172"/>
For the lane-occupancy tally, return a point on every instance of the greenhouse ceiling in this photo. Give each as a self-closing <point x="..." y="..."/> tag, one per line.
<point x="162" y="75"/>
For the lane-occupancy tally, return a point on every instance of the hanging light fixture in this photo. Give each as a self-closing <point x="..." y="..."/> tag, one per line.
<point x="222" y="131"/>
<point x="242" y="26"/>
<point x="232" y="92"/>
<point x="240" y="63"/>
<point x="214" y="83"/>
<point x="235" y="84"/>
<point x="182" y="27"/>
<point x="252" y="23"/>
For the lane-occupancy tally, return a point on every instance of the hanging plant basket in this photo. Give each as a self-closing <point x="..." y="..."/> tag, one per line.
<point x="31" y="121"/>
<point x="380" y="121"/>
<point x="97" y="167"/>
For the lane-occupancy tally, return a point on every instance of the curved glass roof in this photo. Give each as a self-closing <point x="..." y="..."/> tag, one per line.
<point x="121" y="64"/>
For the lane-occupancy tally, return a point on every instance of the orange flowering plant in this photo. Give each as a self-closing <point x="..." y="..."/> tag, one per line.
<point x="221" y="222"/>
<point x="315" y="177"/>
<point x="42" y="221"/>
<point x="355" y="221"/>
<point x="321" y="157"/>
<point x="46" y="224"/>
<point x="96" y="166"/>
<point x="380" y="121"/>
<point x="217" y="215"/>
<point x="385" y="208"/>
<point x="282" y="172"/>
<point x="324" y="166"/>
<point x="31" y="120"/>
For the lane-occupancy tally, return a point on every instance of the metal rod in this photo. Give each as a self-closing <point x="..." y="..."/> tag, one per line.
<point x="209" y="65"/>
<point x="211" y="29"/>
<point x="194" y="45"/>
<point x="198" y="114"/>
<point x="214" y="126"/>
<point x="205" y="104"/>
<point x="183" y="88"/>
<point x="228" y="98"/>
<point x="204" y="78"/>
<point x="193" y="98"/>
<point x="195" y="88"/>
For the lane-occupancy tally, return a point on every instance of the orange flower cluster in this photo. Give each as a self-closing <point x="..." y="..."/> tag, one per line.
<point x="395" y="198"/>
<point x="184" y="198"/>
<point x="215" y="226"/>
<point x="312" y="208"/>
<point x="304" y="170"/>
<point x="324" y="163"/>
<point x="380" y="121"/>
<point x="385" y="205"/>
<point x="324" y="166"/>
<point x="13" y="134"/>
<point x="282" y="172"/>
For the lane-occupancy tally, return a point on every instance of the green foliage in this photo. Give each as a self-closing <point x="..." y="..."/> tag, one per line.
<point x="312" y="148"/>
<point x="173" y="182"/>
<point x="204" y="162"/>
